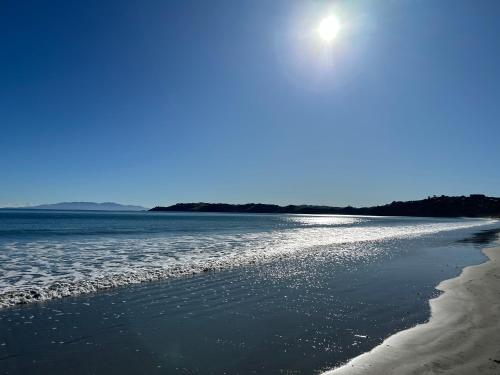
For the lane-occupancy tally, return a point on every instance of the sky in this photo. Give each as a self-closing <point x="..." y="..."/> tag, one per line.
<point x="157" y="102"/>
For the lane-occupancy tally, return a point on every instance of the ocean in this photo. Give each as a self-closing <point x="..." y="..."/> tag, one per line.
<point x="161" y="293"/>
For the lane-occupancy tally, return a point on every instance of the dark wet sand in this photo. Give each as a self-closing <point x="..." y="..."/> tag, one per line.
<point x="461" y="337"/>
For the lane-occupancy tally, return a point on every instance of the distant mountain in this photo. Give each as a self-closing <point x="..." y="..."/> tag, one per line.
<point x="89" y="206"/>
<point x="475" y="205"/>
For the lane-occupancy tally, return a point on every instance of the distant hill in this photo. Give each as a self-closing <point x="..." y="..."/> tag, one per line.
<point x="475" y="205"/>
<point x="89" y="206"/>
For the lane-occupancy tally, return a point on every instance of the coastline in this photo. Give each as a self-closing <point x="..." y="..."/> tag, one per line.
<point x="308" y="306"/>
<point x="461" y="336"/>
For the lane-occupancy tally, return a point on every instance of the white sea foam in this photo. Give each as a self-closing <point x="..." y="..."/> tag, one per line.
<point x="53" y="268"/>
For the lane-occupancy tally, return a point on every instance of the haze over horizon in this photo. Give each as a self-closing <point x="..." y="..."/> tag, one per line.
<point x="186" y="101"/>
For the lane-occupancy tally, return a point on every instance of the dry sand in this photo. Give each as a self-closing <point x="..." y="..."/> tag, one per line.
<point x="461" y="337"/>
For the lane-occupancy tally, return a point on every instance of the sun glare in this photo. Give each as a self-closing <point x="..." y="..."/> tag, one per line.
<point x="328" y="28"/>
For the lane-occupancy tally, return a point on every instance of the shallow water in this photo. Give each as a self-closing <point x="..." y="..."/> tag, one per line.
<point x="311" y="302"/>
<point x="46" y="255"/>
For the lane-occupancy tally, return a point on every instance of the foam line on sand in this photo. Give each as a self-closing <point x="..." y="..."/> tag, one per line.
<point x="462" y="337"/>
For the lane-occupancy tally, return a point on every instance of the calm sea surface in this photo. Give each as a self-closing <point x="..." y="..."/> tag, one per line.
<point x="236" y="294"/>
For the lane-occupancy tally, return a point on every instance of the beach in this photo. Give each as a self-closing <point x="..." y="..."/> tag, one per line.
<point x="305" y="187"/>
<point x="297" y="294"/>
<point x="461" y="337"/>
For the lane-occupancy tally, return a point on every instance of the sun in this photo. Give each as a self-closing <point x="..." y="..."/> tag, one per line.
<point x="328" y="28"/>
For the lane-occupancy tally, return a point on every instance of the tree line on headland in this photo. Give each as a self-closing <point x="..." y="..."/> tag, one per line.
<point x="474" y="205"/>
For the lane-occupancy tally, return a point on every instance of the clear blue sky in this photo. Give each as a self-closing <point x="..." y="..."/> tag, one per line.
<point x="157" y="102"/>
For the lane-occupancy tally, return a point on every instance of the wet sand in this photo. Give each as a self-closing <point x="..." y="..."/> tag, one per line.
<point x="461" y="337"/>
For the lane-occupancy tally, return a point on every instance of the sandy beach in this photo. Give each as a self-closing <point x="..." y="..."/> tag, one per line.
<point x="461" y="337"/>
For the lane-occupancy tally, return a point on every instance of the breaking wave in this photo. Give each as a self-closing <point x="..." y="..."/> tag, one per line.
<point x="47" y="268"/>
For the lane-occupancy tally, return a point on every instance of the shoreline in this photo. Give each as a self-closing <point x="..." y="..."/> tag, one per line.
<point x="290" y="244"/>
<point x="461" y="337"/>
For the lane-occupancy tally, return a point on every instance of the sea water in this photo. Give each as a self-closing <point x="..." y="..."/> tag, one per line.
<point x="232" y="293"/>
